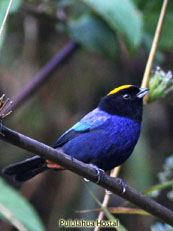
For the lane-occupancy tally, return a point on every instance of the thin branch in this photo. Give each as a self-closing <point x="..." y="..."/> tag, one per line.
<point x="5" y="17"/>
<point x="85" y="170"/>
<point x="44" y="74"/>
<point x="154" y="46"/>
<point x="114" y="173"/>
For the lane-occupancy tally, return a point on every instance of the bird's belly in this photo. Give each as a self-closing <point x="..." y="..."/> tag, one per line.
<point x="115" y="151"/>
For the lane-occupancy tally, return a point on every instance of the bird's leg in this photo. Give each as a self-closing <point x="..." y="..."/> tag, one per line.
<point x="98" y="171"/>
<point x="108" y="192"/>
<point x="53" y="165"/>
<point x="121" y="182"/>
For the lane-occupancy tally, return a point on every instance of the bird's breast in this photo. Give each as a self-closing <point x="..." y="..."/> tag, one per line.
<point x="122" y="132"/>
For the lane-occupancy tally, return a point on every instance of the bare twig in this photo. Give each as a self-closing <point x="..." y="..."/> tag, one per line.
<point x="84" y="170"/>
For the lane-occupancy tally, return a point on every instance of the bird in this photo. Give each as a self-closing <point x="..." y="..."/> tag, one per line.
<point x="105" y="137"/>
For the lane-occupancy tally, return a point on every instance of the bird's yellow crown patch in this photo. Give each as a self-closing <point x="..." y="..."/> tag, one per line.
<point x="115" y="90"/>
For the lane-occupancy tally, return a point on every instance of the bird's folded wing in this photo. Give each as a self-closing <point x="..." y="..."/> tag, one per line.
<point x="78" y="129"/>
<point x="93" y="120"/>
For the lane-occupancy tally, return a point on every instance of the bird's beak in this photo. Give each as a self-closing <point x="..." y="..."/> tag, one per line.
<point x="143" y="92"/>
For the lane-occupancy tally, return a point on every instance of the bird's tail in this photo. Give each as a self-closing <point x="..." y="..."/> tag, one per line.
<point x="26" y="169"/>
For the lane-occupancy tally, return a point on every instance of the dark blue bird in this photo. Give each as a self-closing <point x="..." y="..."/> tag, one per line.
<point x="105" y="137"/>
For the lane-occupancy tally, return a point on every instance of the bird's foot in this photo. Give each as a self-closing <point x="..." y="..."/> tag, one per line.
<point x="98" y="170"/>
<point x="108" y="192"/>
<point x="121" y="182"/>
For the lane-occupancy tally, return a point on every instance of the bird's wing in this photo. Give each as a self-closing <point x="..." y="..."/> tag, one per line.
<point x="76" y="130"/>
<point x="91" y="121"/>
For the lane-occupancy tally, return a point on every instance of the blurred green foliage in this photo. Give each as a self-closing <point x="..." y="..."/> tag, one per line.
<point x="3" y="7"/>
<point x="93" y="33"/>
<point x="167" y="174"/>
<point x="97" y="24"/>
<point x="122" y="32"/>
<point x="122" y="17"/>
<point x="161" y="227"/>
<point x="19" y="208"/>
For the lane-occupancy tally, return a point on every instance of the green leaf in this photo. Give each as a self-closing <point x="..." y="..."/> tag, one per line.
<point x="3" y="8"/>
<point x="18" y="208"/>
<point x="158" y="187"/>
<point x="117" y="210"/>
<point x="4" y="5"/>
<point x="94" y="34"/>
<point x="122" y="16"/>
<point x="2" y="38"/>
<point x="15" y="6"/>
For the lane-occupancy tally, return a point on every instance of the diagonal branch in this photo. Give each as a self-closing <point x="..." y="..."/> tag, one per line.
<point x="44" y="74"/>
<point x="85" y="170"/>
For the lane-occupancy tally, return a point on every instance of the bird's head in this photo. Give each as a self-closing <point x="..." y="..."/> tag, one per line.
<point x="125" y="101"/>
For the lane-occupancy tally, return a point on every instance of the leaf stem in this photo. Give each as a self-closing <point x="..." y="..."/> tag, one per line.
<point x="148" y="67"/>
<point x="114" y="173"/>
<point x="5" y="17"/>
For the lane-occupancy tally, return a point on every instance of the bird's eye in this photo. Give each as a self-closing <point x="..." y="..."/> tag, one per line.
<point x="126" y="96"/>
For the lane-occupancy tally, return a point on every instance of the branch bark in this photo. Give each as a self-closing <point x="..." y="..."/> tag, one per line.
<point x="85" y="170"/>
